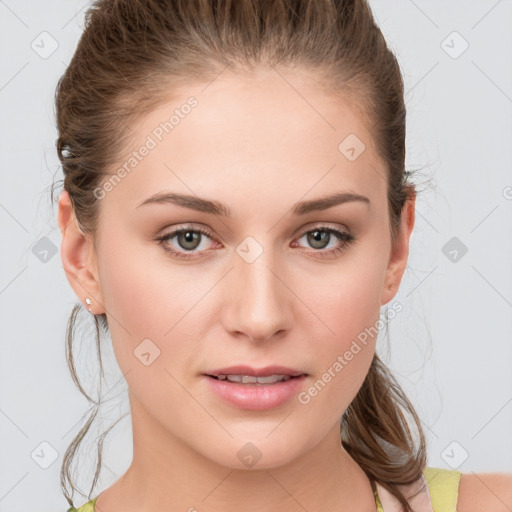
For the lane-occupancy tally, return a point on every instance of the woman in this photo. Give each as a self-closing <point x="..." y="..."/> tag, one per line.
<point x="235" y="213"/>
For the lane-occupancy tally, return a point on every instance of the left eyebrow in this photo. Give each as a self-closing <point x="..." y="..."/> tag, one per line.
<point x="216" y="208"/>
<point x="323" y="203"/>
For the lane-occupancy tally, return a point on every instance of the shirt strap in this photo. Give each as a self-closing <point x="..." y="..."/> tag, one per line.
<point x="417" y="494"/>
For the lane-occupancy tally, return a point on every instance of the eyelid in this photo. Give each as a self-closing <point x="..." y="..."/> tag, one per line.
<point x="319" y="224"/>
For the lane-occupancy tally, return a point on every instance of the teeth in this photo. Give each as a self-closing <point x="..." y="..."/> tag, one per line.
<point x="249" y="379"/>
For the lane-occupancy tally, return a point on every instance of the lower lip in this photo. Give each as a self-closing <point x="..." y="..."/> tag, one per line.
<point x="258" y="397"/>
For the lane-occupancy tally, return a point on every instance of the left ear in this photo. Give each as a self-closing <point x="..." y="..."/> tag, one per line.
<point x="400" y="251"/>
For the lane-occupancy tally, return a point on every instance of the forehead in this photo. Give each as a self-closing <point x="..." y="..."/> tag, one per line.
<point x="276" y="133"/>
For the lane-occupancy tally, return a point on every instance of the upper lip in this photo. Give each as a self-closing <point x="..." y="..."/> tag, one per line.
<point x="256" y="372"/>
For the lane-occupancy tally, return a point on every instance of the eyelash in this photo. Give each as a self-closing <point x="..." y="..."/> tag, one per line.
<point x="345" y="238"/>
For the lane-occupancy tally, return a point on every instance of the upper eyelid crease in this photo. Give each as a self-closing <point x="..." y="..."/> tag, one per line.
<point x="217" y="208"/>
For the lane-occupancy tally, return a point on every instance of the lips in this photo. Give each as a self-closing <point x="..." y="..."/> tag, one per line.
<point x="256" y="397"/>
<point x="255" y="372"/>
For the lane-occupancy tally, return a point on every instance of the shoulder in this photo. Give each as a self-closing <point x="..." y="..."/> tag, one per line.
<point x="485" y="491"/>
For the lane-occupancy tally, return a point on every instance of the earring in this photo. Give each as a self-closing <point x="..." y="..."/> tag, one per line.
<point x="88" y="302"/>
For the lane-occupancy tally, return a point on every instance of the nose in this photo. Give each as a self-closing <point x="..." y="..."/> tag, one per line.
<point x="258" y="304"/>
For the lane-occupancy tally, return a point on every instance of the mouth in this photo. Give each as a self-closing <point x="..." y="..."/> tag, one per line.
<point x="244" y="374"/>
<point x="255" y="392"/>
<point x="255" y="380"/>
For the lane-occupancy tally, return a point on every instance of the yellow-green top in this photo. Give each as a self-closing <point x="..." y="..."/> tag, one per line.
<point x="443" y="486"/>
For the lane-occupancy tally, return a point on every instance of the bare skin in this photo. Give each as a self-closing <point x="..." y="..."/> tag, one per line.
<point x="257" y="146"/>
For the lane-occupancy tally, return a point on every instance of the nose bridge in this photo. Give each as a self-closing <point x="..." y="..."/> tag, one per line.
<point x="259" y="298"/>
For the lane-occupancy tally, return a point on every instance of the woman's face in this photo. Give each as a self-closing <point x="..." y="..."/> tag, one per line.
<point x="268" y="285"/>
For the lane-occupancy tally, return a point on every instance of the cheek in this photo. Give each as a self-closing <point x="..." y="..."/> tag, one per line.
<point x="345" y="303"/>
<point x="348" y="304"/>
<point x="146" y="297"/>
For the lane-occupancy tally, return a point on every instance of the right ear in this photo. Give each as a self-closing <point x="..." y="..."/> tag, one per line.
<point x="79" y="257"/>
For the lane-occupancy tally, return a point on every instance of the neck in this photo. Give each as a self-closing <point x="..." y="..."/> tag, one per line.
<point x="167" y="474"/>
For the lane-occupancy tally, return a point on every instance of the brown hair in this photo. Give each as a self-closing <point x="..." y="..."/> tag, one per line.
<point x="133" y="52"/>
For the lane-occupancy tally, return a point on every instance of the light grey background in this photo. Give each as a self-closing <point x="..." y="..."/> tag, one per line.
<point x="451" y="347"/>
